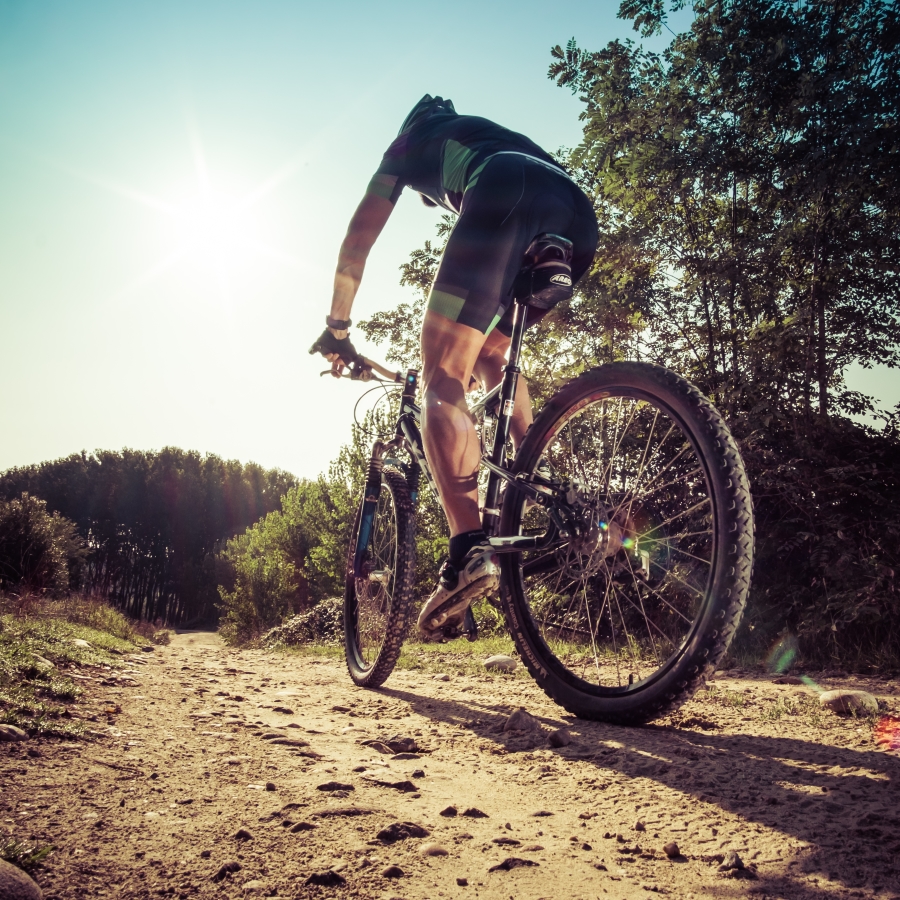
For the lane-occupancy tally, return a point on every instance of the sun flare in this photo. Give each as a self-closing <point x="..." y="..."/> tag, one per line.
<point x="216" y="230"/>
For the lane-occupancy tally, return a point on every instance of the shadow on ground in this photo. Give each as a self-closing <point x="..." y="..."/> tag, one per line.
<point x="844" y="802"/>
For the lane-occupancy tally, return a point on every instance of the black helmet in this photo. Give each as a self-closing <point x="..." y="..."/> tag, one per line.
<point x="427" y="106"/>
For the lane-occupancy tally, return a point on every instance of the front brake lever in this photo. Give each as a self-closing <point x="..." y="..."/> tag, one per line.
<point x="356" y="371"/>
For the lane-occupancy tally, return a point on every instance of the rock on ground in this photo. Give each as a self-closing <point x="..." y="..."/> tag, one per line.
<point x="521" y="720"/>
<point x="845" y="702"/>
<point x="16" y="885"/>
<point x="501" y="662"/>
<point x="11" y="733"/>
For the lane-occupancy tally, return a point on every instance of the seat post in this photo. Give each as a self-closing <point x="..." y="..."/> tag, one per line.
<point x="507" y="402"/>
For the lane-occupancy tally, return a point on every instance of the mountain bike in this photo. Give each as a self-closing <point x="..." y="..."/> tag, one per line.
<point x="623" y="525"/>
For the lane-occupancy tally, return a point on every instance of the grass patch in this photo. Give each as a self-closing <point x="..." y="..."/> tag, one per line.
<point x="26" y="857"/>
<point x="804" y="706"/>
<point x="730" y="699"/>
<point x="459" y="657"/>
<point x="37" y="645"/>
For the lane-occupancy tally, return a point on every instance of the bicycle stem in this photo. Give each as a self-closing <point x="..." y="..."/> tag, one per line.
<point x="491" y="513"/>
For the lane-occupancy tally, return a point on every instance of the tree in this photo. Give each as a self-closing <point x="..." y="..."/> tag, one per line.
<point x="153" y="521"/>
<point x="37" y="548"/>
<point x="748" y="171"/>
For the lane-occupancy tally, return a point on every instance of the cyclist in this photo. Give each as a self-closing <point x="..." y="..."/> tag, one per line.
<point x="505" y="191"/>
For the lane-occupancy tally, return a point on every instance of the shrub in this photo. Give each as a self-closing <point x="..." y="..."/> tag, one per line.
<point x="286" y="562"/>
<point x="321" y="624"/>
<point x="36" y="548"/>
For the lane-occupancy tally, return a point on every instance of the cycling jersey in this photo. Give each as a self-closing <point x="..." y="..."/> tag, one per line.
<point x="442" y="157"/>
<point x="506" y="190"/>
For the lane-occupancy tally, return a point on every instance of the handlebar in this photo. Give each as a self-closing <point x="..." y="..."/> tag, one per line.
<point x="363" y="369"/>
<point x="359" y="368"/>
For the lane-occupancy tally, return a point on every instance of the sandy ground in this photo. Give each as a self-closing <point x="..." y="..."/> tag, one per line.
<point x="197" y="742"/>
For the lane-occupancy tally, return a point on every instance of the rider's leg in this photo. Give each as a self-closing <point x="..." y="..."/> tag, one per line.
<point x="449" y="352"/>
<point x="489" y="371"/>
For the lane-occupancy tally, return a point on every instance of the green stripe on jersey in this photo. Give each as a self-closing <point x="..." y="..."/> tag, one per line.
<point x="455" y="160"/>
<point x="382" y="186"/>
<point x="494" y="323"/>
<point x="473" y="178"/>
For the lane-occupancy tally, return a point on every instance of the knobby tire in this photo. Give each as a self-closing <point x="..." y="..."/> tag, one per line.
<point x="630" y="636"/>
<point x="377" y="606"/>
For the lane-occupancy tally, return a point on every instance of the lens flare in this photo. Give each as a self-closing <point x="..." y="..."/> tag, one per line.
<point x="887" y="733"/>
<point x="782" y="655"/>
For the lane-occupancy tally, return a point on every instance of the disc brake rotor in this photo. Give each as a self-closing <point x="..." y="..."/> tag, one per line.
<point x="600" y="535"/>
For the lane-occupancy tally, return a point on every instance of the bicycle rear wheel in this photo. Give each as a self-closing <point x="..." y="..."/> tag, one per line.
<point x="624" y="620"/>
<point x="378" y="599"/>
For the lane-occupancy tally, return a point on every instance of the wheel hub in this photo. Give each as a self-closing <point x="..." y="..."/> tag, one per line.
<point x="598" y="535"/>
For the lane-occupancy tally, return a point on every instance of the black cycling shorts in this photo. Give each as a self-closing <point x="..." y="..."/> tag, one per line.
<point x="515" y="198"/>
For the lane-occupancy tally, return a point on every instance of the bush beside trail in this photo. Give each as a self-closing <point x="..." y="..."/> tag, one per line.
<point x="323" y="624"/>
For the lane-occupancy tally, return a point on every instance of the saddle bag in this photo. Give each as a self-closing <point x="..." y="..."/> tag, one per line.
<point x="545" y="278"/>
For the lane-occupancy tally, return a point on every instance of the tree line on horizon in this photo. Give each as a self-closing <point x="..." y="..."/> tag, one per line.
<point x="144" y="528"/>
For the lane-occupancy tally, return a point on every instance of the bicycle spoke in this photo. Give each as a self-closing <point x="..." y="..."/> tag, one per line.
<point x="623" y="605"/>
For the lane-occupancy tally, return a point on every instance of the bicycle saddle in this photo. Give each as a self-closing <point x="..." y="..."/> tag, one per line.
<point x="545" y="278"/>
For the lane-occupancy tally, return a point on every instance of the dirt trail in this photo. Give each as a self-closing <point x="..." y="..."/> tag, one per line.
<point x="153" y="807"/>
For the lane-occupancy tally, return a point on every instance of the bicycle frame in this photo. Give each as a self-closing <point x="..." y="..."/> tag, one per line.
<point x="408" y="435"/>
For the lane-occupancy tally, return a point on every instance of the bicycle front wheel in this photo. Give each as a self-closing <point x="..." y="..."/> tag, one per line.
<point x="623" y="619"/>
<point x="378" y="597"/>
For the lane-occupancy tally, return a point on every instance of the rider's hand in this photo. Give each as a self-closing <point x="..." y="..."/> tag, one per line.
<point x="338" y="351"/>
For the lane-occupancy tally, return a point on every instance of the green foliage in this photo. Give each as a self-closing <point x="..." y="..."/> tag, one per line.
<point x="743" y="182"/>
<point x="37" y="644"/>
<point x="828" y="549"/>
<point x="93" y="613"/>
<point x="26" y="856"/>
<point x="154" y="522"/>
<point x="37" y="548"/>
<point x="287" y="561"/>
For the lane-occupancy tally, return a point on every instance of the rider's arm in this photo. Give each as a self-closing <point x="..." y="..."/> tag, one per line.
<point x="365" y="226"/>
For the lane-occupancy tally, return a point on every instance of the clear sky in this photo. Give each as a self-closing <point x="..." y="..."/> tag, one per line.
<point x="176" y="178"/>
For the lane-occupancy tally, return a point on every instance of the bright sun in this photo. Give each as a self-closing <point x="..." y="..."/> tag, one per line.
<point x="217" y="231"/>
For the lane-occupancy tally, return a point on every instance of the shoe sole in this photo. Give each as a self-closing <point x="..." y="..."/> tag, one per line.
<point x="479" y="588"/>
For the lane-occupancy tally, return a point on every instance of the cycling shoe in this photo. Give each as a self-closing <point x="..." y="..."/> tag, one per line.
<point x="444" y="612"/>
